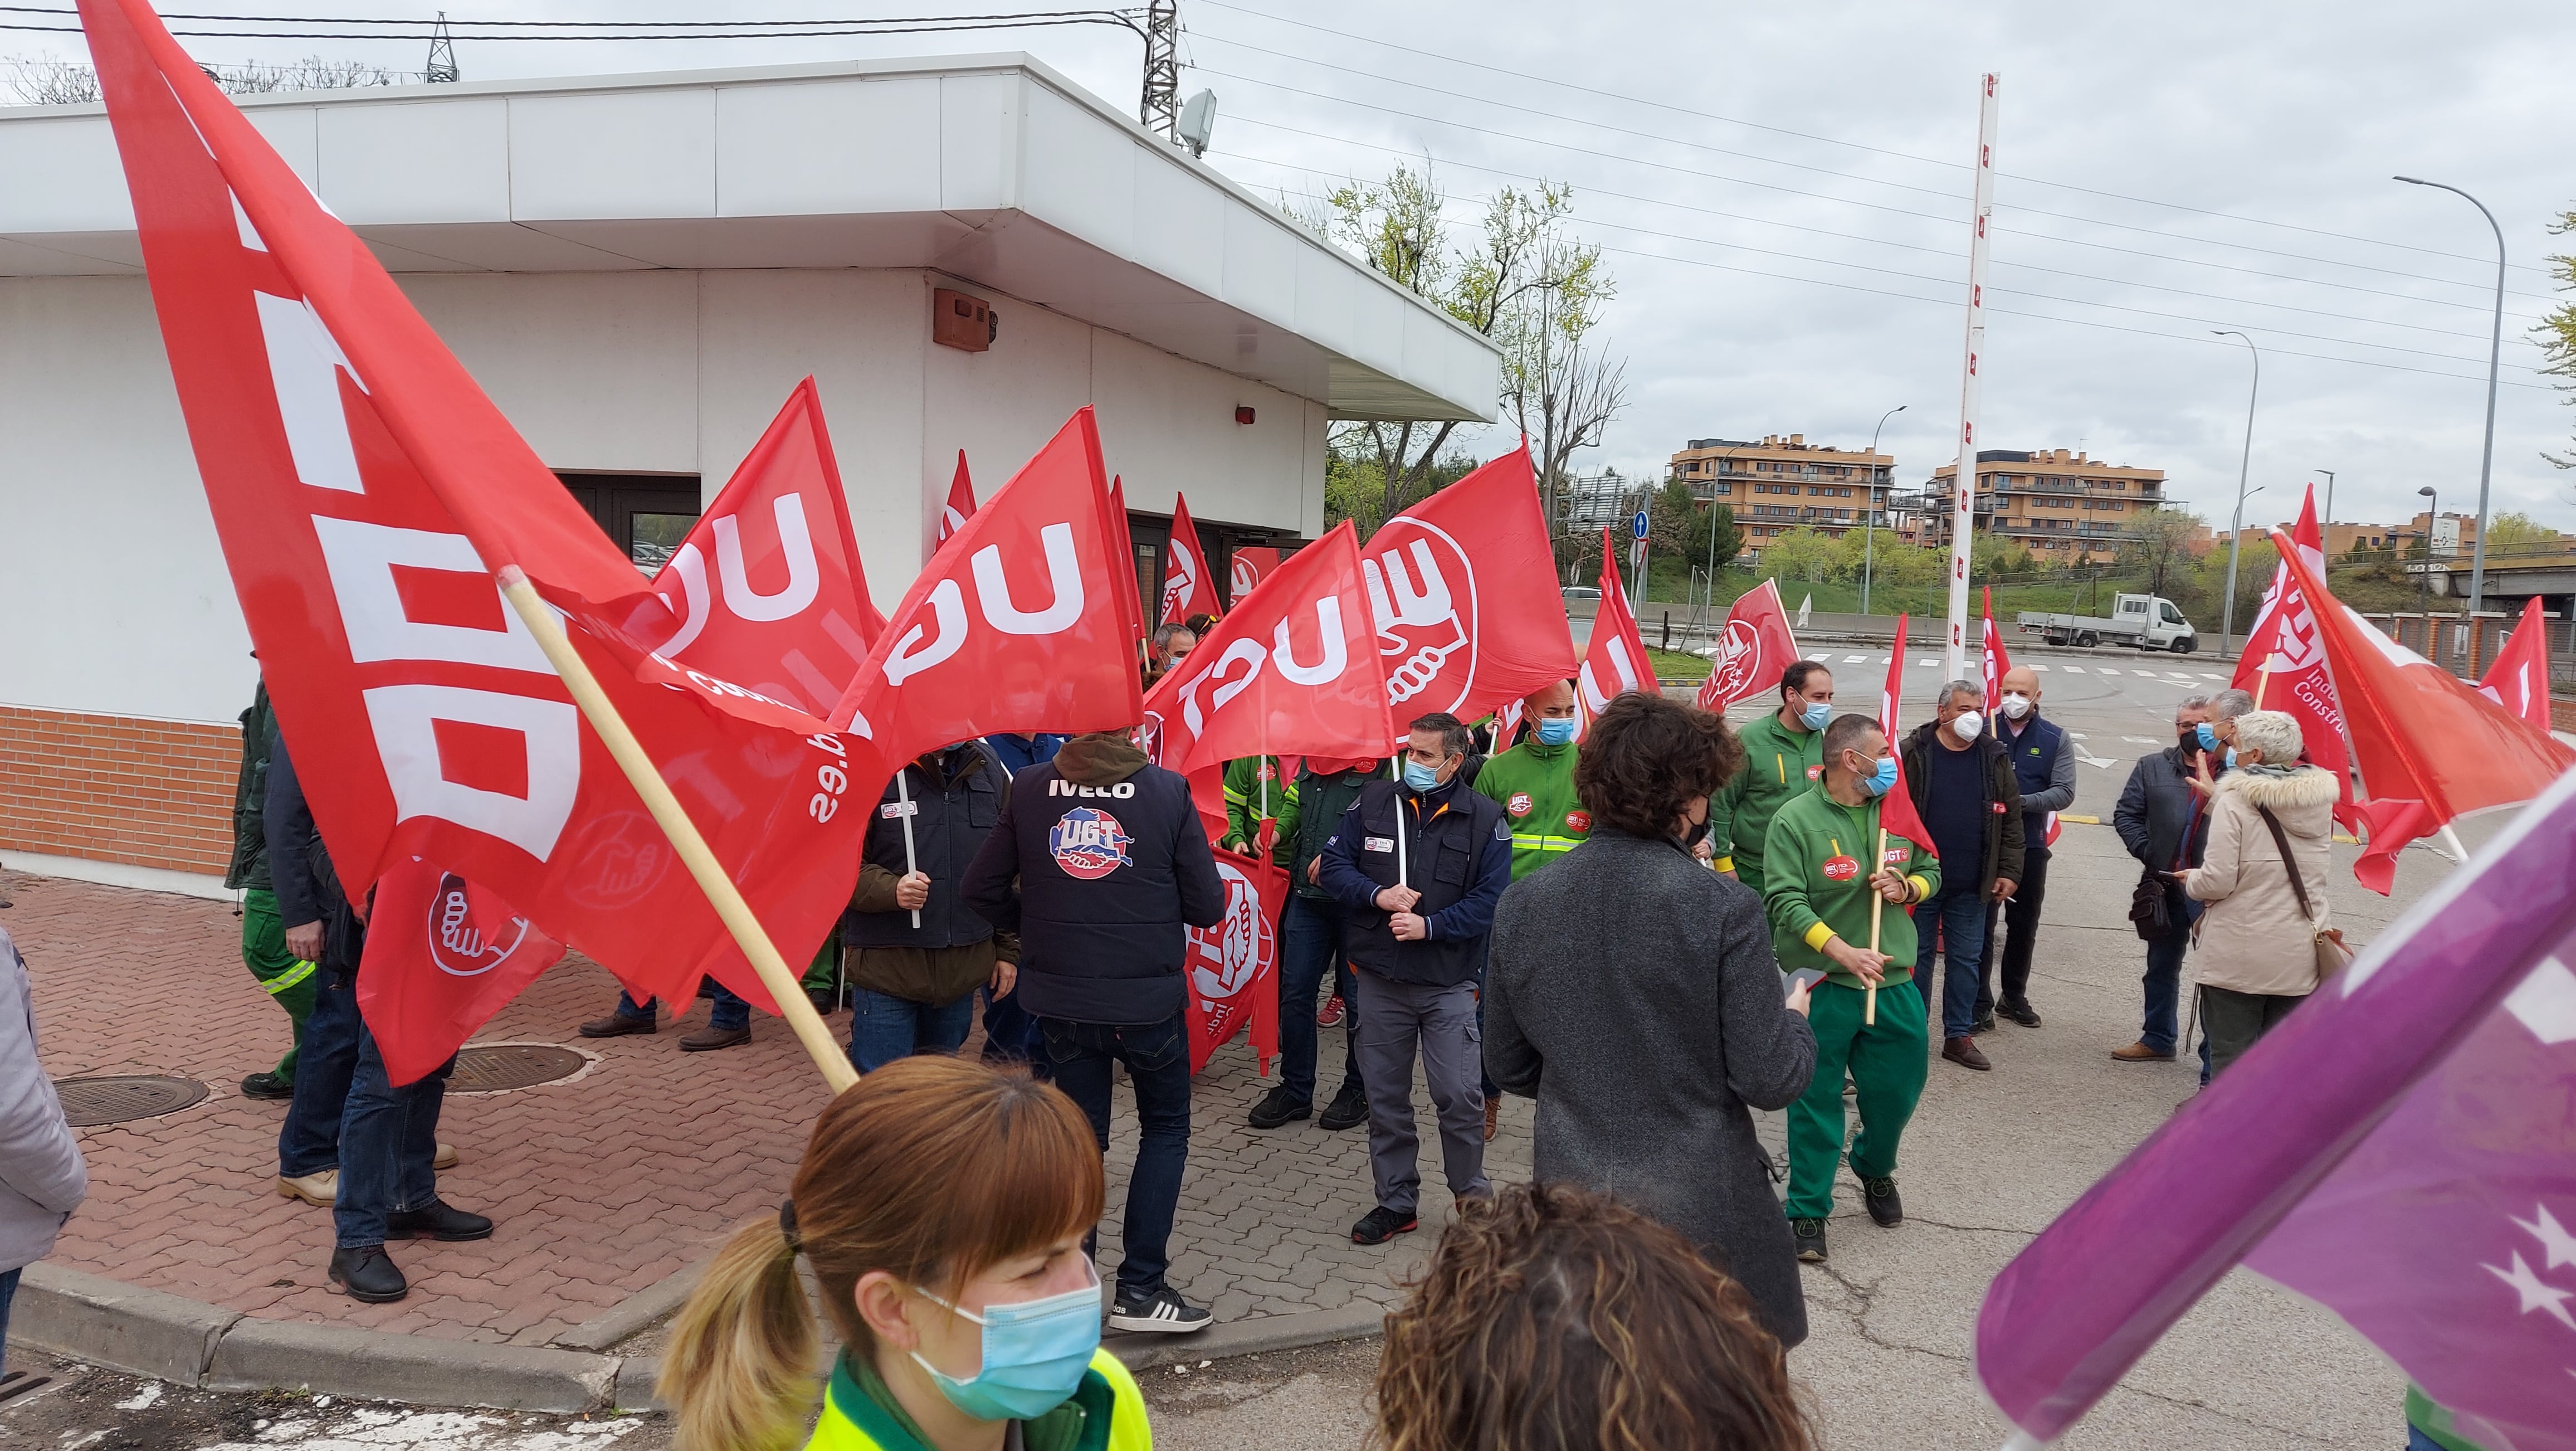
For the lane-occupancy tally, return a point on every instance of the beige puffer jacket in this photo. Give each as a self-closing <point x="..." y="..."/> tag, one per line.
<point x="2252" y="937"/>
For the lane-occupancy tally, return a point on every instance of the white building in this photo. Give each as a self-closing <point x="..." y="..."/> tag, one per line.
<point x="638" y="269"/>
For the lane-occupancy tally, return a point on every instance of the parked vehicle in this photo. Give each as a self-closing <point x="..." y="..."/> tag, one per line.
<point x="2150" y="622"/>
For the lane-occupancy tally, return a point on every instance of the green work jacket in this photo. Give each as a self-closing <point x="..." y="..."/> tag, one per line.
<point x="1815" y="885"/>
<point x="1534" y="784"/>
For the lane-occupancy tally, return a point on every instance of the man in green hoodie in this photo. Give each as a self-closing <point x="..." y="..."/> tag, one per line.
<point x="1818" y="894"/>
<point x="1534" y="784"/>
<point x="1254" y="789"/>
<point x="1783" y="760"/>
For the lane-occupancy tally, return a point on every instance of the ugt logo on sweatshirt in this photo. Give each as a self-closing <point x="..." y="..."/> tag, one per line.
<point x="1088" y="843"/>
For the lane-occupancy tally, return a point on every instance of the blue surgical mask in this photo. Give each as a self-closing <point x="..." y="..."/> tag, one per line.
<point x="1883" y="780"/>
<point x="1035" y="1352"/>
<point x="1816" y="715"/>
<point x="1556" y="730"/>
<point x="2231" y="758"/>
<point x="1421" y="777"/>
<point x="2208" y="736"/>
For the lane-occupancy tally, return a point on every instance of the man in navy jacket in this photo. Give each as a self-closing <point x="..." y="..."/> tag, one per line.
<point x="1101" y="866"/>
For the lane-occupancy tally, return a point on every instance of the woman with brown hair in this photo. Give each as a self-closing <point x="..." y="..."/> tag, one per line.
<point x="941" y="1206"/>
<point x="1551" y="1319"/>
<point x="1632" y="991"/>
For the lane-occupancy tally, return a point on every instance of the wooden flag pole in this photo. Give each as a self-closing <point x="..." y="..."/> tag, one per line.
<point x="722" y="894"/>
<point x="2265" y="683"/>
<point x="1869" y="1005"/>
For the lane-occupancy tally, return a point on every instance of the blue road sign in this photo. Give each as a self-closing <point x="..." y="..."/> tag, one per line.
<point x="1637" y="526"/>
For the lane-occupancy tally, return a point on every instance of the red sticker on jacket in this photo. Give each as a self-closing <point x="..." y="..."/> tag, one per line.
<point x="1815" y="773"/>
<point x="1578" y="821"/>
<point x="1895" y="856"/>
<point x="1841" y="869"/>
<point x="1519" y="805"/>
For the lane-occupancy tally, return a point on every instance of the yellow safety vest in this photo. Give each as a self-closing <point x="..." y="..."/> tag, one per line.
<point x="1106" y="1413"/>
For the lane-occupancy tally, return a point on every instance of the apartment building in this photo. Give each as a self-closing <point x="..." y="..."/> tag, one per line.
<point x="2062" y="506"/>
<point x="1777" y="484"/>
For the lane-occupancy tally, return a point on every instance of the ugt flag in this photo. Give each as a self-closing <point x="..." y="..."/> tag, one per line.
<point x="1994" y="661"/>
<point x="2397" y="1149"/>
<point x="961" y="501"/>
<point x="1251" y="565"/>
<point x="2284" y="665"/>
<point x="1616" y="663"/>
<point x="1752" y="651"/>
<point x="1189" y="586"/>
<point x="1234" y="966"/>
<point x="1896" y="809"/>
<point x="2519" y="678"/>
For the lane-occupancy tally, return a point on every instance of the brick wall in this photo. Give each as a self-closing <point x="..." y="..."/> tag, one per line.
<point x="110" y="788"/>
<point x="2562" y="713"/>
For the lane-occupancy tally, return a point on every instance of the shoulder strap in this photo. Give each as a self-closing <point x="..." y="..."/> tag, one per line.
<point x="2281" y="839"/>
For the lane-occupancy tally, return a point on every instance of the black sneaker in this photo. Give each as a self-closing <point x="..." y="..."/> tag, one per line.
<point x="1809" y="1236"/>
<point x="1160" y="1311"/>
<point x="267" y="1085"/>
<point x="1382" y="1224"/>
<point x="1349" y="1108"/>
<point x="1277" y="1108"/>
<point x="1887" y="1210"/>
<point x="366" y="1274"/>
<point x="2021" y="1013"/>
<point x="441" y="1221"/>
<point x="1985" y="1023"/>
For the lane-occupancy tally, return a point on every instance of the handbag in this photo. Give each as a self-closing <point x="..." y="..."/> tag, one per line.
<point x="2150" y="909"/>
<point x="2332" y="956"/>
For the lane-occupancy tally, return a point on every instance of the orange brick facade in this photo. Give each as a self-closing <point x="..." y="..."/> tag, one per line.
<point x="147" y="793"/>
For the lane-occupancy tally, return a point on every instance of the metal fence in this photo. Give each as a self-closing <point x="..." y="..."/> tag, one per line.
<point x="2466" y="646"/>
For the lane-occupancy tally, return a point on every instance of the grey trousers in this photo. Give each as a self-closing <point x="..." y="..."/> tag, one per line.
<point x="2234" y="1020"/>
<point x="1394" y="1018"/>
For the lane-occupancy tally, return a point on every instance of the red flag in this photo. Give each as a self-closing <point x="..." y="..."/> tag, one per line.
<point x="787" y="611"/>
<point x="2284" y="665"/>
<point x="1755" y="648"/>
<point x="443" y="956"/>
<point x="1250" y="565"/>
<point x="1896" y="811"/>
<point x="365" y="490"/>
<point x="2432" y="748"/>
<point x="1463" y="589"/>
<point x="1130" y="597"/>
<point x="1016" y="624"/>
<point x="1997" y="663"/>
<point x="1189" y="587"/>
<point x="1289" y="673"/>
<point x="1616" y="663"/>
<point x="961" y="501"/>
<point x="2519" y="678"/>
<point x="1234" y="966"/>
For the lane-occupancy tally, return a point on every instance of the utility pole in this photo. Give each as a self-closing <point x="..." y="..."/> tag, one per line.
<point x="2495" y="360"/>
<point x="2236" y="528"/>
<point x="2329" y="473"/>
<point x="1963" y="494"/>
<point x="442" y="55"/>
<point x="1160" y="110"/>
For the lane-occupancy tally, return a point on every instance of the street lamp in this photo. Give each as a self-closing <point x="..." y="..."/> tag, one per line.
<point x="2329" y="473"/>
<point x="2495" y="357"/>
<point x="2424" y="576"/>
<point x="1869" y="510"/>
<point x="1718" y="464"/>
<point x="2236" y="531"/>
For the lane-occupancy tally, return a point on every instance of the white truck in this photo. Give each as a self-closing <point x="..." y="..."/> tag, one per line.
<point x="2149" y="622"/>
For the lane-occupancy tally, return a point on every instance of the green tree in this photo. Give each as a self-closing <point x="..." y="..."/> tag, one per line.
<point x="1802" y="555"/>
<point x="2518" y="531"/>
<point x="2557" y="330"/>
<point x="2161" y="551"/>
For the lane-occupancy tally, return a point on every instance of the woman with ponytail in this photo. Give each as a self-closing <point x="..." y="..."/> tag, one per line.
<point x="941" y="1207"/>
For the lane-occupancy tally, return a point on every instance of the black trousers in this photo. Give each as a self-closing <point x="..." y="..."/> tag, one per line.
<point x="2020" y="917"/>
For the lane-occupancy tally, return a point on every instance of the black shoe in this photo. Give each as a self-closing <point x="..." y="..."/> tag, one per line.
<point x="267" y="1085"/>
<point x="1160" y="1311"/>
<point x="617" y="1025"/>
<point x="1984" y="1024"/>
<point x="441" y="1221"/>
<point x="365" y="1274"/>
<point x="1809" y="1236"/>
<point x="1964" y="1052"/>
<point x="1884" y="1207"/>
<point x="1349" y="1108"/>
<point x="1382" y="1224"/>
<point x="2021" y="1013"/>
<point x="826" y="1002"/>
<point x="1277" y="1108"/>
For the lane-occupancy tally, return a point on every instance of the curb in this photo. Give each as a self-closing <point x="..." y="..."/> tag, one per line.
<point x="1248" y="1337"/>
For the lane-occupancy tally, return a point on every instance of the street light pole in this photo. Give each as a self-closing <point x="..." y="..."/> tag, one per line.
<point x="2495" y="358"/>
<point x="2329" y="473"/>
<point x="1718" y="477"/>
<point x="2236" y="530"/>
<point x="2424" y="577"/>
<point x="1869" y="509"/>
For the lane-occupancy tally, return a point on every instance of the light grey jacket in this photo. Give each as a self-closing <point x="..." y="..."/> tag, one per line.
<point x="42" y="1178"/>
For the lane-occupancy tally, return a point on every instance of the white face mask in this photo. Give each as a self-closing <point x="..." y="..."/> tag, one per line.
<point x="2016" y="706"/>
<point x="1966" y="726"/>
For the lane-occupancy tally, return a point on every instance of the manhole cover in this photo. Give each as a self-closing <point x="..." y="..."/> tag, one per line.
<point x="505" y="1066"/>
<point x="91" y="1102"/>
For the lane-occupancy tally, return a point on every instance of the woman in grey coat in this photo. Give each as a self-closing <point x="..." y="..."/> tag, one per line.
<point x="1632" y="992"/>
<point x="42" y="1178"/>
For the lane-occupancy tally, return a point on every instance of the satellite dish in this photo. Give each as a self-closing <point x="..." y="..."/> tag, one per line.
<point x="1198" y="122"/>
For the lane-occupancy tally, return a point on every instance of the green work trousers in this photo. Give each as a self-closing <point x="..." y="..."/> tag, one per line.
<point x="1886" y="1059"/>
<point x="280" y="972"/>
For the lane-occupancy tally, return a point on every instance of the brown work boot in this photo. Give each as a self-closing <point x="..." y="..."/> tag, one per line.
<point x="2140" y="1053"/>
<point x="1493" y="1116"/>
<point x="618" y="1025"/>
<point x="1965" y="1053"/>
<point x="708" y="1039"/>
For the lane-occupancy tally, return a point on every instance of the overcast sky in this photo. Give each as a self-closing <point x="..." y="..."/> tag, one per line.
<point x="1765" y="177"/>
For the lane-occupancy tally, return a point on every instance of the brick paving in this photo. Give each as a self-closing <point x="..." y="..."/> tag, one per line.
<point x="601" y="1185"/>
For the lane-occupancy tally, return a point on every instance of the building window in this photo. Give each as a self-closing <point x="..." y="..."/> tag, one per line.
<point x="648" y="517"/>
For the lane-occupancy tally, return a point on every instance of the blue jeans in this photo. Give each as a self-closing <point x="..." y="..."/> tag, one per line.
<point x="1952" y="926"/>
<point x="1310" y="945"/>
<point x="8" y="1292"/>
<point x="1158" y="1064"/>
<point x="884" y="1027"/>
<point x="727" y="1011"/>
<point x="309" y="1141"/>
<point x="2164" y="982"/>
<point x="388" y="1136"/>
<point x="1011" y="1035"/>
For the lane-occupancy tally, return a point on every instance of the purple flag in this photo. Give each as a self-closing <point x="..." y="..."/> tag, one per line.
<point x="2069" y="1316"/>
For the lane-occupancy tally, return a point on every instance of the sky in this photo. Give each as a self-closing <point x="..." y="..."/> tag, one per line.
<point x="1782" y="195"/>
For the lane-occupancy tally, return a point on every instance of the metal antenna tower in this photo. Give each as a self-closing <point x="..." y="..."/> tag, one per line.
<point x="1160" y="110"/>
<point x="442" y="54"/>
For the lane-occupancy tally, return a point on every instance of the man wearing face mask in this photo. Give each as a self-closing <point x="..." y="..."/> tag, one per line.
<point x="1819" y="882"/>
<point x="2045" y="770"/>
<point x="1418" y="866"/>
<point x="2161" y="819"/>
<point x="1966" y="794"/>
<point x="1534" y="783"/>
<point x="1784" y="756"/>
